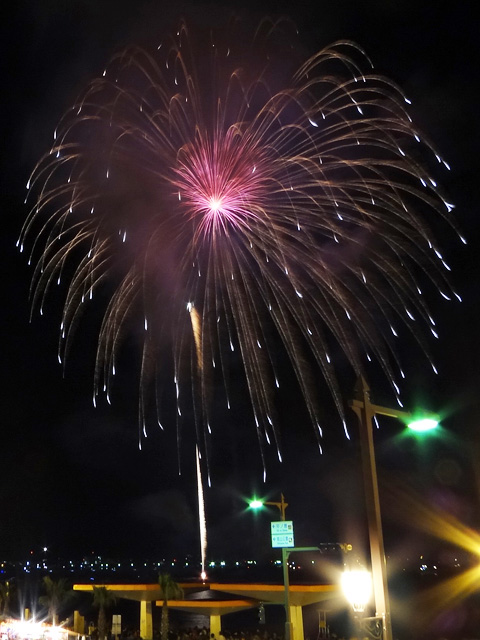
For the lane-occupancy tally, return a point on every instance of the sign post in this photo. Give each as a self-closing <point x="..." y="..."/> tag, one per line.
<point x="282" y="536"/>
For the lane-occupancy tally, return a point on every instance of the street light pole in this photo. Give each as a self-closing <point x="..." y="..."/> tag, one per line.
<point x="365" y="412"/>
<point x="286" y="585"/>
<point x="282" y="506"/>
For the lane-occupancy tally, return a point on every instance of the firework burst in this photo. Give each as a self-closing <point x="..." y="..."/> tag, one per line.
<point x="231" y="201"/>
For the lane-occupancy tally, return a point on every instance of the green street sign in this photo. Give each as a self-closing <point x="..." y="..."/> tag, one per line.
<point x="282" y="534"/>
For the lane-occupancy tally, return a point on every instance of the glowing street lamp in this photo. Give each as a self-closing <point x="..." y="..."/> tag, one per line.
<point x="357" y="587"/>
<point x="365" y="411"/>
<point x="255" y="503"/>
<point x="421" y="425"/>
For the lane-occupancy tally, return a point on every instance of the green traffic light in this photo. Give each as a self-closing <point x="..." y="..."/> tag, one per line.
<point x="255" y="504"/>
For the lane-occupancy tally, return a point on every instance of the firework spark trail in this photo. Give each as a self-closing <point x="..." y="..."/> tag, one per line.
<point x="201" y="516"/>
<point x="298" y="210"/>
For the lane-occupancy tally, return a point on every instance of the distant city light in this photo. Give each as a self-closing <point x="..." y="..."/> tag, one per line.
<point x="99" y="568"/>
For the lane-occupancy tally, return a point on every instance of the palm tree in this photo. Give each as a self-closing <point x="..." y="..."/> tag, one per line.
<point x="57" y="594"/>
<point x="103" y="599"/>
<point x="170" y="589"/>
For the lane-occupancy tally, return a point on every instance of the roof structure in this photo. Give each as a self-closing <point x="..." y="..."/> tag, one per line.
<point x="213" y="597"/>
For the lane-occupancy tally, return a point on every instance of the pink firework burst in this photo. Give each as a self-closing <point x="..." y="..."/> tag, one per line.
<point x="235" y="203"/>
<point x="218" y="183"/>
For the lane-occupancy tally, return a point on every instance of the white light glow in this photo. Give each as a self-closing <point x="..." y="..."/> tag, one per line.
<point x="357" y="587"/>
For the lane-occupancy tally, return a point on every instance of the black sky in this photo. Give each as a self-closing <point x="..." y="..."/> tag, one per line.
<point x="72" y="477"/>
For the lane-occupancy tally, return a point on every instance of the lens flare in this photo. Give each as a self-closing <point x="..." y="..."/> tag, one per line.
<point x="452" y="590"/>
<point x="287" y="206"/>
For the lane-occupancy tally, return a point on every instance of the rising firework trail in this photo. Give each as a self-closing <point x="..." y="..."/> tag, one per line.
<point x="201" y="516"/>
<point x="225" y="203"/>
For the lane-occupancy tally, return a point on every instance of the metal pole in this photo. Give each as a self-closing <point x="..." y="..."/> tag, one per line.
<point x="365" y="412"/>
<point x="286" y="584"/>
<point x="282" y="505"/>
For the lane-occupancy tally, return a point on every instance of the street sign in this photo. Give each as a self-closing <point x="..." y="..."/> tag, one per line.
<point x="282" y="534"/>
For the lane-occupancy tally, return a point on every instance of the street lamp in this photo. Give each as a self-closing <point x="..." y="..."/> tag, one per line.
<point x="365" y="411"/>
<point x="357" y="587"/>
<point x="255" y="503"/>
<point x="281" y="506"/>
<point x="423" y="424"/>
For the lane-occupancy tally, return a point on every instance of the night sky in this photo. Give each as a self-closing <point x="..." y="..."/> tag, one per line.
<point x="72" y="477"/>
